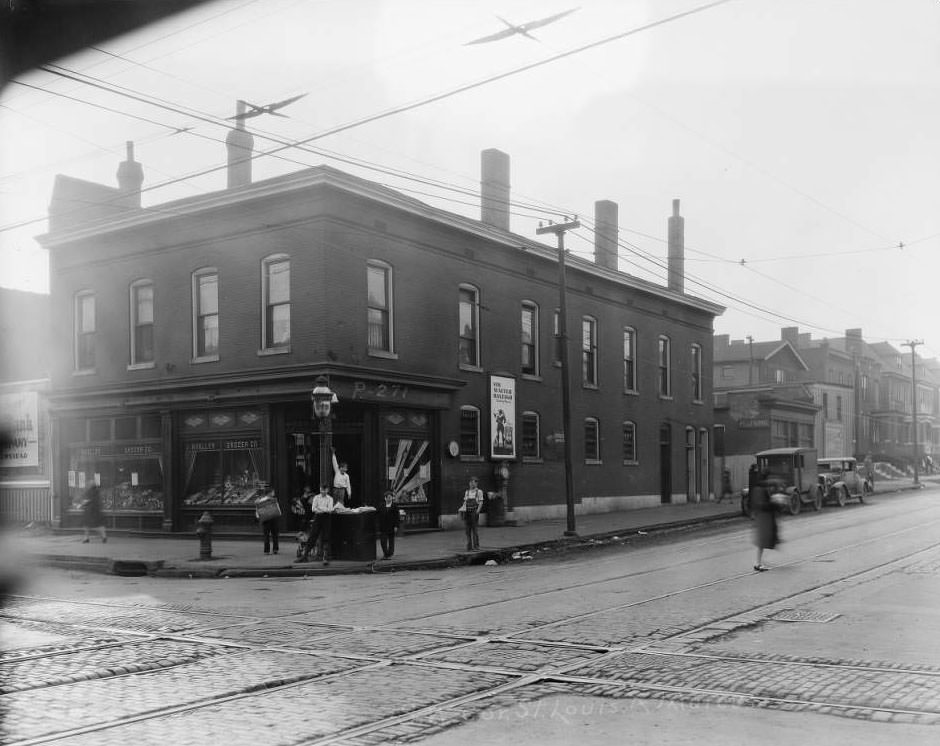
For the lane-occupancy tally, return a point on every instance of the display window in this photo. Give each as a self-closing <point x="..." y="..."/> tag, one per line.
<point x="224" y="462"/>
<point x="224" y="471"/>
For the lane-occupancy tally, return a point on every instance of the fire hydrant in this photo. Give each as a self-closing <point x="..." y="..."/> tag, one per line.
<point x="204" y="532"/>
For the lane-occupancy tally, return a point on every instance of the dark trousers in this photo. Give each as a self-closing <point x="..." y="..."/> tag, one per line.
<point x="470" y="521"/>
<point x="387" y="540"/>
<point x="320" y="528"/>
<point x="271" y="535"/>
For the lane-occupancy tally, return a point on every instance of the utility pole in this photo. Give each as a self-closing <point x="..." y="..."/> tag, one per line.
<point x="913" y="345"/>
<point x="559" y="230"/>
<point x="750" y="363"/>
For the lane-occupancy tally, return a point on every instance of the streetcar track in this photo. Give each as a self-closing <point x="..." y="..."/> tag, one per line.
<point x="557" y="673"/>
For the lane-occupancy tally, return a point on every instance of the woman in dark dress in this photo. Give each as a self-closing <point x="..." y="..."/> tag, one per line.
<point x="765" y="522"/>
<point x="92" y="516"/>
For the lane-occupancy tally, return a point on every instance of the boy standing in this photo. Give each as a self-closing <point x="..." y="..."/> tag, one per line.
<point x="472" y="501"/>
<point x="388" y="524"/>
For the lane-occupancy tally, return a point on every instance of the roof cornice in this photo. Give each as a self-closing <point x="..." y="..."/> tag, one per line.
<point x="325" y="176"/>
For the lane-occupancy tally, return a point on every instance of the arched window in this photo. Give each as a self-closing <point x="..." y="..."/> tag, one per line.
<point x="530" y="338"/>
<point x="275" y="300"/>
<point x="469" y="327"/>
<point x="206" y="314"/>
<point x="85" y="327"/>
<point x="592" y="439"/>
<point x="664" y="359"/>
<point x="695" y="363"/>
<point x="141" y="311"/>
<point x="469" y="431"/>
<point x="380" y="305"/>
<point x="629" y="359"/>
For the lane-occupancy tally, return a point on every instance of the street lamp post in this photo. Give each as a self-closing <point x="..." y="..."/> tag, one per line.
<point x="323" y="398"/>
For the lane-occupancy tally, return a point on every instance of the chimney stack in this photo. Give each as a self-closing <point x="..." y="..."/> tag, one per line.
<point x="606" y="226"/>
<point x="130" y="177"/>
<point x="791" y="334"/>
<point x="494" y="188"/>
<point x="239" y="143"/>
<point x="676" y="250"/>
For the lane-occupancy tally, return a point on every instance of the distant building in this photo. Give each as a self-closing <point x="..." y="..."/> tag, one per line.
<point x="188" y="337"/>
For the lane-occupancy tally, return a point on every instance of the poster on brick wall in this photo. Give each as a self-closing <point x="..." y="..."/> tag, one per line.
<point x="502" y="417"/>
<point x="19" y="421"/>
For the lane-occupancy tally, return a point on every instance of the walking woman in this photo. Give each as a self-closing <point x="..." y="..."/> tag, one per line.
<point x="765" y="521"/>
<point x="92" y="517"/>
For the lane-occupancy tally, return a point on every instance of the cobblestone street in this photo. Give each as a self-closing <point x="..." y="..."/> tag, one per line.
<point x="433" y="657"/>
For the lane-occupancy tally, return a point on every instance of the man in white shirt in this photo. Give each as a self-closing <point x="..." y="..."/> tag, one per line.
<point x="320" y="526"/>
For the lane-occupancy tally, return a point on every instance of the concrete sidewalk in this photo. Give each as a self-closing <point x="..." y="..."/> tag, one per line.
<point x="178" y="556"/>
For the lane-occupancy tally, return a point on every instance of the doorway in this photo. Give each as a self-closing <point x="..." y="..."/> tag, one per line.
<point x="665" y="463"/>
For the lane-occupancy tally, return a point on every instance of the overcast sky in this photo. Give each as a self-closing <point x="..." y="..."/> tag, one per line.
<point x="801" y="136"/>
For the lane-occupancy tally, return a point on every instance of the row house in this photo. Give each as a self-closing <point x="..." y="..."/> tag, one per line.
<point x="188" y="337"/>
<point x="862" y="393"/>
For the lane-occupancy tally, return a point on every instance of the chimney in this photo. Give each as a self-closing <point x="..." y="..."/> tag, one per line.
<point x="791" y="334"/>
<point x="239" y="143"/>
<point x="130" y="177"/>
<point x="605" y="234"/>
<point x="676" y="250"/>
<point x="494" y="188"/>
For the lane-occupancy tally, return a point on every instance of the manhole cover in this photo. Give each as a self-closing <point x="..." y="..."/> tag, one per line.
<point x="798" y="615"/>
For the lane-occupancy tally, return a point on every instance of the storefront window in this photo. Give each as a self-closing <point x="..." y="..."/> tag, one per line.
<point x="224" y="471"/>
<point x="130" y="476"/>
<point x="408" y="464"/>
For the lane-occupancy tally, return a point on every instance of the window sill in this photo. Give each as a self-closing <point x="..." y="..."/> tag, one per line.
<point x="589" y="386"/>
<point x="593" y="462"/>
<point x="665" y="397"/>
<point x="470" y="368"/>
<point x="532" y="377"/>
<point x="142" y="366"/>
<point x="631" y="392"/>
<point x="631" y="463"/>
<point x="700" y="402"/>
<point x="266" y="351"/>
<point x="85" y="372"/>
<point x="384" y="354"/>
<point x="205" y="359"/>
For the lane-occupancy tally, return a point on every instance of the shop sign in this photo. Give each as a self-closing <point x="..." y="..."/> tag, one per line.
<point x="19" y="418"/>
<point x="502" y="417"/>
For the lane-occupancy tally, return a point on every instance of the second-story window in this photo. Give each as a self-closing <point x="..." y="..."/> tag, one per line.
<point x="85" y="326"/>
<point x="142" y="322"/>
<point x="589" y="351"/>
<point x="275" y="291"/>
<point x="696" y="363"/>
<point x="206" y="314"/>
<point x="665" y="367"/>
<point x="530" y="339"/>
<point x="379" y="289"/>
<point x="469" y="318"/>
<point x="629" y="359"/>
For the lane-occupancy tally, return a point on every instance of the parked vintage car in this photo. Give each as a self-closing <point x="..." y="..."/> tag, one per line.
<point x="840" y="480"/>
<point x="791" y="476"/>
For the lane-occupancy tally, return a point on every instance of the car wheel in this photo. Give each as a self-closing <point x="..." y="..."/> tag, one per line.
<point x="842" y="496"/>
<point x="794" y="505"/>
<point x="817" y="499"/>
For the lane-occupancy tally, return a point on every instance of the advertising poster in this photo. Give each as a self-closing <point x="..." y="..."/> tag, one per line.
<point x="19" y="418"/>
<point x="502" y="417"/>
